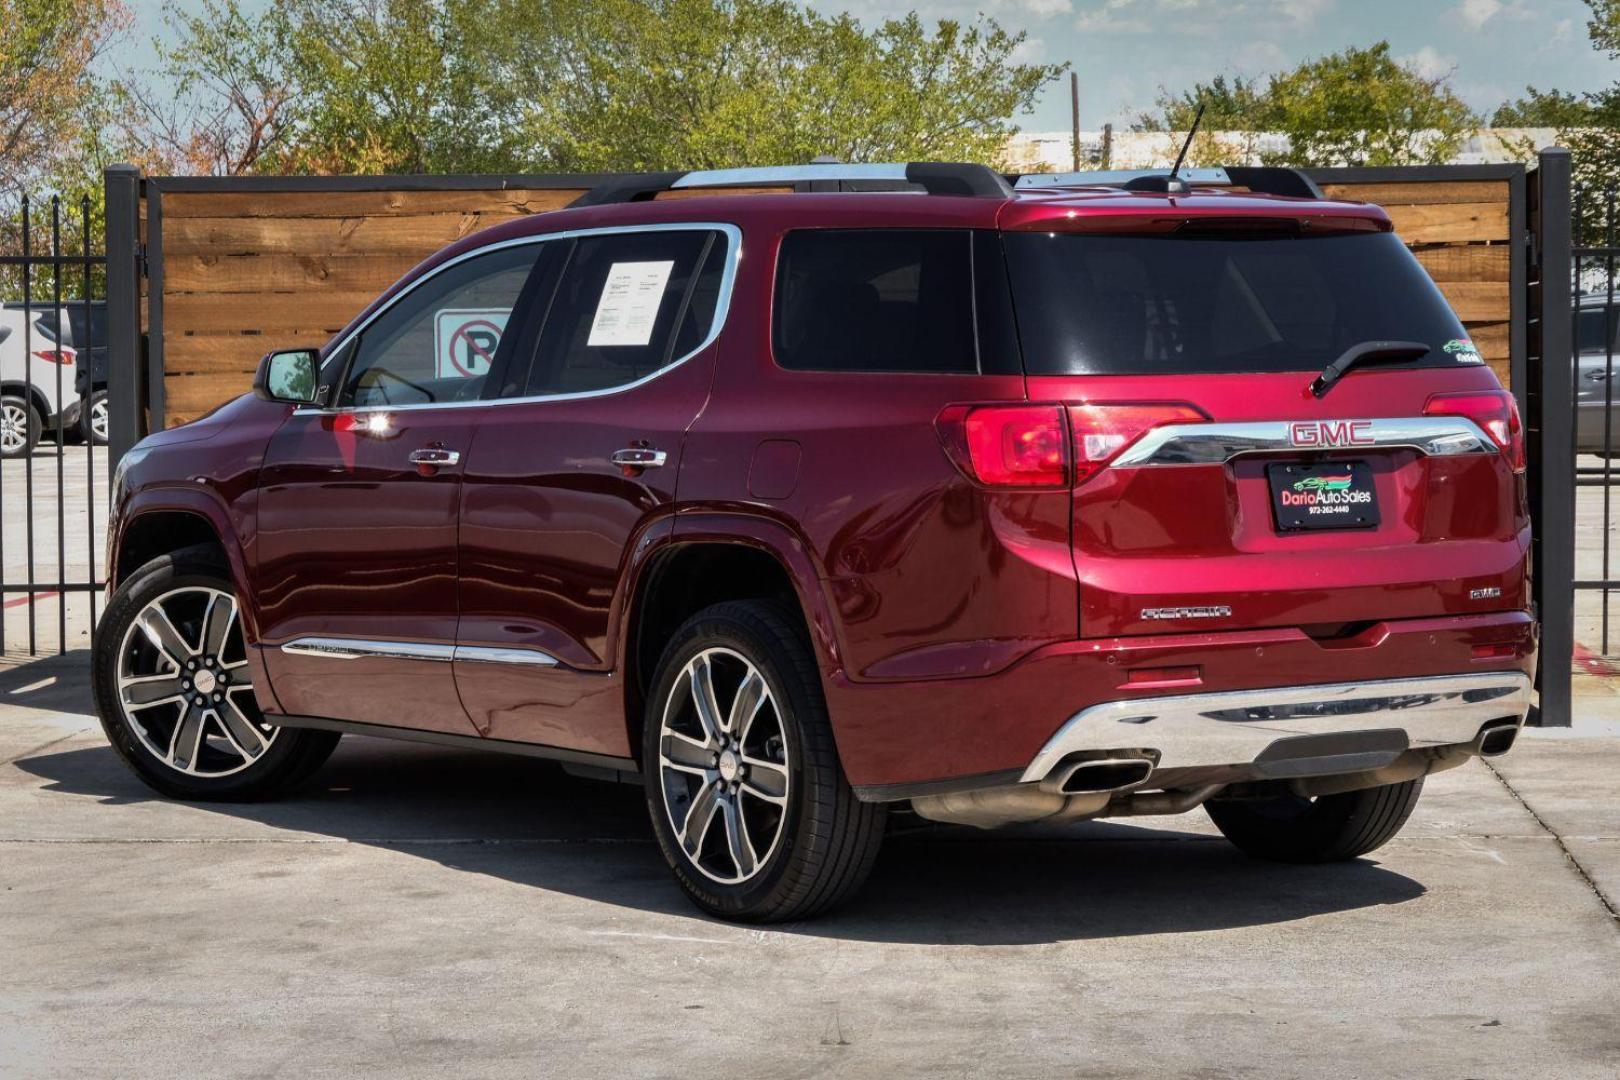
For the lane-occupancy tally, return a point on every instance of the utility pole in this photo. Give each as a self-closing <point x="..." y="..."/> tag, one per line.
<point x="1074" y="116"/>
<point x="1107" y="148"/>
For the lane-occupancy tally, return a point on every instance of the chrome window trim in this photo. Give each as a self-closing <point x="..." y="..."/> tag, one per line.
<point x="333" y="648"/>
<point x="722" y="308"/>
<point x="1214" y="444"/>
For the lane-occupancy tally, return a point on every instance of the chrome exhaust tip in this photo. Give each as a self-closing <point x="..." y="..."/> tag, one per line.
<point x="1496" y="739"/>
<point x="1089" y="776"/>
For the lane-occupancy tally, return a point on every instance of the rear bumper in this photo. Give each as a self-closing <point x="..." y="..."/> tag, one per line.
<point x="1294" y="731"/>
<point x="899" y="739"/>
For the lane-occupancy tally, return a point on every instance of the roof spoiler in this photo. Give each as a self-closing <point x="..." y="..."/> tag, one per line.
<point x="930" y="177"/>
<point x="1260" y="180"/>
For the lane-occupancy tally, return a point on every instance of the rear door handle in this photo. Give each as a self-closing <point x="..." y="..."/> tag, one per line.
<point x="435" y="456"/>
<point x="639" y="457"/>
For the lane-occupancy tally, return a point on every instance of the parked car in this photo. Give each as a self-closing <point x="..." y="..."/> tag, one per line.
<point x="1597" y="406"/>
<point x="38" y="371"/>
<point x="997" y="500"/>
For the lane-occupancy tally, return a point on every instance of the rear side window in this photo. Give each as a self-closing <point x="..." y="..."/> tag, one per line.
<point x="1089" y="304"/>
<point x="896" y="300"/>
<point x="627" y="305"/>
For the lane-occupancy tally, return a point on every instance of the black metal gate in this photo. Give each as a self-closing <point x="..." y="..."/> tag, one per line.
<point x="53" y="362"/>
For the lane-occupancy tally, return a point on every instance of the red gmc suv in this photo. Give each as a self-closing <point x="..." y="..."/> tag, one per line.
<point x="1001" y="499"/>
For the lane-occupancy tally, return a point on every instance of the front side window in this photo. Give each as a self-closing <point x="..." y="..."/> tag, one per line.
<point x="626" y="306"/>
<point x="895" y="300"/>
<point x="437" y="343"/>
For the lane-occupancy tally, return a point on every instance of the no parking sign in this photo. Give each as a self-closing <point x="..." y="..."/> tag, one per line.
<point x="465" y="339"/>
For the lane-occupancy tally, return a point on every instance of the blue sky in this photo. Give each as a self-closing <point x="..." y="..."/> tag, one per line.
<point x="1125" y="50"/>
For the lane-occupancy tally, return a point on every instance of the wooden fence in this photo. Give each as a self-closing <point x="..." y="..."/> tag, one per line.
<point x="240" y="267"/>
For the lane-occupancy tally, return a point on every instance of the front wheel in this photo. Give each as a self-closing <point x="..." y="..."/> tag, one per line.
<point x="175" y="691"/>
<point x="1328" y="828"/>
<point x="749" y="803"/>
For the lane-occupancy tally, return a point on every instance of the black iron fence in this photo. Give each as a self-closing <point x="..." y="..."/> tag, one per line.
<point x="53" y="466"/>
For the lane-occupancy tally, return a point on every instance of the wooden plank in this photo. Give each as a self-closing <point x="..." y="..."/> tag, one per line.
<point x="217" y="274"/>
<point x="416" y="234"/>
<point x="1419" y="193"/>
<point x="339" y="204"/>
<point x="235" y="313"/>
<point x="208" y="353"/>
<point x="1493" y="340"/>
<point x="1478" y="301"/>
<point x="1450" y="222"/>
<point x="1467" y="262"/>
<point x="187" y="397"/>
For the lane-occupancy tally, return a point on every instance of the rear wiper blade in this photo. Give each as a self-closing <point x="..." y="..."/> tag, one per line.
<point x="1367" y="351"/>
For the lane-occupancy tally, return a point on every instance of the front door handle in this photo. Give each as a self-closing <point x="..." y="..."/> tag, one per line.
<point x="638" y="457"/>
<point x="430" y="458"/>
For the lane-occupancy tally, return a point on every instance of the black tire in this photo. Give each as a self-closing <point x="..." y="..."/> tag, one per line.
<point x="1329" y="828"/>
<point x="20" y="411"/>
<point x="88" y="429"/>
<point x="825" y="841"/>
<point x="291" y="755"/>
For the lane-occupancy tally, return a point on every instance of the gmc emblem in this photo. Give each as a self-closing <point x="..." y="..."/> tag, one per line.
<point x="1325" y="433"/>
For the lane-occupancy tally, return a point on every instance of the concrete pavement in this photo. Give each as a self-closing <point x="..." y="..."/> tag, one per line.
<point x="423" y="912"/>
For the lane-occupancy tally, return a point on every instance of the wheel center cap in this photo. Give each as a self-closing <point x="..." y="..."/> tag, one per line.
<point x="729" y="765"/>
<point x="205" y="682"/>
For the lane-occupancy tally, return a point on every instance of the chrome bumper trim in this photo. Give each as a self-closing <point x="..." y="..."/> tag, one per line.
<point x="1235" y="728"/>
<point x="1213" y="444"/>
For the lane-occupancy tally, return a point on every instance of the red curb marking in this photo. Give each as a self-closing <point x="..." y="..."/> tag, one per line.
<point x="21" y="600"/>
<point x="1593" y="664"/>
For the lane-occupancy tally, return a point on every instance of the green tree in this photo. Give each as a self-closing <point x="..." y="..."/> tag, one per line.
<point x="1356" y="107"/>
<point x="1544" y="108"/>
<point x="646" y="84"/>
<point x="1361" y="107"/>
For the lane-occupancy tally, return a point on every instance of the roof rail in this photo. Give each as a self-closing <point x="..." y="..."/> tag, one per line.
<point x="1262" y="180"/>
<point x="933" y="177"/>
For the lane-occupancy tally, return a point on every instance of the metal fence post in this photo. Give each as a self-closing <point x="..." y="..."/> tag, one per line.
<point x="1552" y="432"/>
<point x="125" y="413"/>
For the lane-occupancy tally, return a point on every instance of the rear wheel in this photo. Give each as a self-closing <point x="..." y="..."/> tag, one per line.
<point x="19" y="427"/>
<point x="749" y="803"/>
<point x="175" y="691"/>
<point x="93" y="419"/>
<point x="1328" y="828"/>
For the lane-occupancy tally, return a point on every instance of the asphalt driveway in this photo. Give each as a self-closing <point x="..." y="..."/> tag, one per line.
<point x="424" y="912"/>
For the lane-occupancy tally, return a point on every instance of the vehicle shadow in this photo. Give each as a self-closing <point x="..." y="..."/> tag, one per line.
<point x="527" y="822"/>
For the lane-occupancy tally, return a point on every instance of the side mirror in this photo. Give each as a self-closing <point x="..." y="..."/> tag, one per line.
<point x="290" y="375"/>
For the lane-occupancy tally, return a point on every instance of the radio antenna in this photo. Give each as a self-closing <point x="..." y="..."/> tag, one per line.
<point x="1181" y="157"/>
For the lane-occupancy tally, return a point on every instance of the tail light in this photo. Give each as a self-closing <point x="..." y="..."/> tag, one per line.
<point x="1048" y="447"/>
<point x="55" y="356"/>
<point x="1102" y="431"/>
<point x="1494" y="411"/>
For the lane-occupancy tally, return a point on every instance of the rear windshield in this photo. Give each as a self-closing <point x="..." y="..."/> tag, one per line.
<point x="1090" y="304"/>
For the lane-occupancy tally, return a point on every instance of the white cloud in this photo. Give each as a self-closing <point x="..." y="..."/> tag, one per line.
<point x="1474" y="14"/>
<point x="1115" y="17"/>
<point x="1302" y="12"/>
<point x="1045" y="9"/>
<point x="1429" y="63"/>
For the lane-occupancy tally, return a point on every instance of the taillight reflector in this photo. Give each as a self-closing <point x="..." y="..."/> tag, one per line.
<point x="1495" y="411"/>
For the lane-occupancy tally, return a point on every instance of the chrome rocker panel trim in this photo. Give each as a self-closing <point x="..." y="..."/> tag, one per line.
<point x="1213" y="444"/>
<point x="357" y="649"/>
<point x="1235" y="728"/>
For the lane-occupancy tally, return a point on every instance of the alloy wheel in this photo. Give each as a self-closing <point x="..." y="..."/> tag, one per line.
<point x="724" y="766"/>
<point x="185" y="687"/>
<point x="13" y="427"/>
<point x="98" y="419"/>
